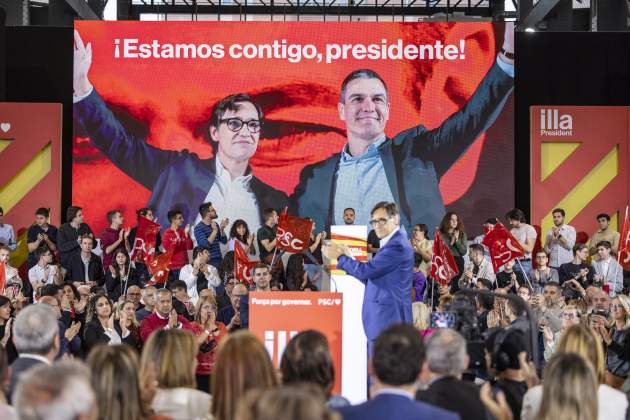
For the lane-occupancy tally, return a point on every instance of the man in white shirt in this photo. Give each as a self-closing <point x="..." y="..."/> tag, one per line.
<point x="478" y="268"/>
<point x="199" y="272"/>
<point x="7" y="235"/>
<point x="607" y="269"/>
<point x="560" y="240"/>
<point x="44" y="272"/>
<point x="526" y="235"/>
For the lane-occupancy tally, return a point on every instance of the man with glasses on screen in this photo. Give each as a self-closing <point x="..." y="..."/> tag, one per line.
<point x="179" y="178"/>
<point x="405" y="169"/>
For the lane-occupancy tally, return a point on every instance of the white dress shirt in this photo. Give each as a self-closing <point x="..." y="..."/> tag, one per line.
<point x="233" y="198"/>
<point x="560" y="253"/>
<point x="186" y="275"/>
<point x="386" y="239"/>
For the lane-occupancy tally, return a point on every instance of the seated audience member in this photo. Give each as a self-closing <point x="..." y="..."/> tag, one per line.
<point x="69" y="233"/>
<point x="149" y="295"/>
<point x="209" y="332"/>
<point x="182" y="304"/>
<point x="134" y="294"/>
<point x="503" y="347"/>
<point x="525" y="293"/>
<point x="120" y="275"/>
<point x="577" y="270"/>
<point x="297" y="401"/>
<point x="479" y="267"/>
<point x="542" y="274"/>
<point x="199" y="275"/>
<point x="484" y="284"/>
<point x="307" y="359"/>
<point x="599" y="301"/>
<point x="164" y="316"/>
<point x="230" y="315"/>
<point x="6" y="411"/>
<point x="396" y="366"/>
<point x="605" y="232"/>
<point x="116" y="383"/>
<point x="11" y="274"/>
<point x="239" y="232"/>
<point x="607" y="271"/>
<point x="548" y="307"/>
<point x="617" y="341"/>
<point x="6" y="324"/>
<point x="44" y="272"/>
<point x="127" y="324"/>
<point x="39" y="235"/>
<point x="560" y="240"/>
<point x="242" y="365"/>
<point x="114" y="238"/>
<point x="510" y="279"/>
<point x="570" y="317"/>
<point x="581" y="340"/>
<point x="177" y="241"/>
<point x="171" y="355"/>
<point x="262" y="277"/>
<point x="58" y="392"/>
<point x="36" y="338"/>
<point x="7" y="235"/>
<point x="446" y="361"/>
<point x="296" y="275"/>
<point x="69" y="340"/>
<point x="85" y="267"/>
<point x="99" y="324"/>
<point x="419" y="282"/>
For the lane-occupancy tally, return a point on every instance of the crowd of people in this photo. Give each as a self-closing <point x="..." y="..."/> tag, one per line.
<point x="120" y="345"/>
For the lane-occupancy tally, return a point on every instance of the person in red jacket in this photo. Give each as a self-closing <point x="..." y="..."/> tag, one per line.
<point x="176" y="239"/>
<point x="209" y="333"/>
<point x="163" y="317"/>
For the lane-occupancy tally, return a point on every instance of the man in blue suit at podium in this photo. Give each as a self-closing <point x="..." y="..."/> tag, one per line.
<point x="387" y="277"/>
<point x="396" y="365"/>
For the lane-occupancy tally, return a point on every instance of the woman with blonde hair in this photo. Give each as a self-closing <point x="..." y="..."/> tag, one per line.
<point x="570" y="316"/>
<point x="421" y="315"/>
<point x="583" y="341"/>
<point x="126" y="324"/>
<point x="617" y="341"/>
<point x="209" y="332"/>
<point x="119" y="394"/>
<point x="171" y="355"/>
<point x="242" y="364"/>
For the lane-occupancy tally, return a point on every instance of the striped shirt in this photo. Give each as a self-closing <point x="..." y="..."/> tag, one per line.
<point x="202" y="233"/>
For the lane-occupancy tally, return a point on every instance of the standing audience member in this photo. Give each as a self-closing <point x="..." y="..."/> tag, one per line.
<point x="36" y="338"/>
<point x="570" y="317"/>
<point x="242" y="365"/>
<point x="525" y="234"/>
<point x="134" y="294"/>
<point x="6" y="325"/>
<point x="114" y="238"/>
<point x="577" y="270"/>
<point x="478" y="268"/>
<point x="488" y="225"/>
<point x="120" y="276"/>
<point x="348" y="216"/>
<point x="307" y="358"/>
<point x="297" y="277"/>
<point x="262" y="277"/>
<point x="454" y="236"/>
<point x="163" y="317"/>
<point x="396" y="365"/>
<point x="209" y="332"/>
<point x="138" y="257"/>
<point x="266" y="235"/>
<point x="40" y="234"/>
<point x="209" y="234"/>
<point x="419" y="282"/>
<point x="69" y="234"/>
<point x="604" y="233"/>
<point x="177" y="242"/>
<point x="149" y="295"/>
<point x="59" y="392"/>
<point x="607" y="271"/>
<point x="7" y="235"/>
<point x="69" y="341"/>
<point x="313" y="264"/>
<point x="102" y="328"/>
<point x="85" y="267"/>
<point x="199" y="275"/>
<point x="11" y="275"/>
<point x="542" y="274"/>
<point x="560" y="240"/>
<point x="617" y="341"/>
<point x="171" y="355"/>
<point x="423" y="247"/>
<point x="510" y="278"/>
<point x="239" y="232"/>
<point x="231" y="315"/>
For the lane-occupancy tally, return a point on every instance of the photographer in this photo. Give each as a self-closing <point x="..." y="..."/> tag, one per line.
<point x="577" y="270"/>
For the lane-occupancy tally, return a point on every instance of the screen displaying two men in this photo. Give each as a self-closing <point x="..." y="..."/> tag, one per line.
<point x="318" y="117"/>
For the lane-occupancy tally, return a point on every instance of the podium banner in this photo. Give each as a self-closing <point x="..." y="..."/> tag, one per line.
<point x="276" y="317"/>
<point x="355" y="237"/>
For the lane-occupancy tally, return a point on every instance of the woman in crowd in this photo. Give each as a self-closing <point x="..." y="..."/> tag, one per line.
<point x="303" y="402"/>
<point x="6" y="320"/>
<point x="138" y="257"/>
<point x="172" y="355"/>
<point x="617" y="341"/>
<point x="210" y="333"/>
<point x="120" y="276"/>
<point x="6" y="411"/>
<point x="423" y="247"/>
<point x="307" y="359"/>
<point x="314" y="268"/>
<point x="127" y="325"/>
<point x="240" y="232"/>
<point x="583" y="341"/>
<point x="454" y="236"/>
<point x="297" y="277"/>
<point x="242" y="365"/>
<point x="101" y="328"/>
<point x="570" y="316"/>
<point x="116" y="384"/>
<point x="421" y="314"/>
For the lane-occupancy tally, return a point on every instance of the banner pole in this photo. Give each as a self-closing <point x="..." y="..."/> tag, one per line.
<point x="525" y="275"/>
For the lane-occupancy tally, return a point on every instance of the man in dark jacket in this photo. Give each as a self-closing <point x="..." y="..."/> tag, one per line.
<point x="86" y="266"/>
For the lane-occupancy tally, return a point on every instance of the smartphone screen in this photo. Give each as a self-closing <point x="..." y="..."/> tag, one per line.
<point x="443" y="319"/>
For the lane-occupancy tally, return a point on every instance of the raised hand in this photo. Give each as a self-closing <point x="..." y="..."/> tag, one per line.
<point x="172" y="319"/>
<point x="224" y="223"/>
<point x="82" y="62"/>
<point x="127" y="232"/>
<point x="187" y="229"/>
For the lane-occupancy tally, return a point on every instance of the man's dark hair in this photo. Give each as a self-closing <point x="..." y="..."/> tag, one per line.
<point x="558" y="210"/>
<point x="111" y="214"/>
<point x="39" y="252"/>
<point x="267" y="213"/>
<point x="231" y="103"/>
<point x="486" y="283"/>
<point x="143" y="211"/>
<point x="417" y="259"/>
<point x="49" y="290"/>
<point x="42" y="211"/>
<point x="359" y="74"/>
<point x="204" y="209"/>
<point x="349" y="208"/>
<point x="553" y="284"/>
<point x="178" y="284"/>
<point x="491" y="221"/>
<point x="307" y="359"/>
<point x="71" y="213"/>
<point x="196" y="251"/>
<point x="390" y="208"/>
<point x="605" y="244"/>
<point x="604" y="216"/>
<point x="81" y="238"/>
<point x="476" y="248"/>
<point x="260" y="265"/>
<point x="578" y="247"/>
<point x="516" y="214"/>
<point x="173" y="214"/>
<point x="398" y="355"/>
<point x="485" y="301"/>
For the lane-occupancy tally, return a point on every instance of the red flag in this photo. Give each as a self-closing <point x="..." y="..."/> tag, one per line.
<point x="503" y="246"/>
<point x="158" y="266"/>
<point x="293" y="233"/>
<point x="623" y="256"/>
<point x="144" y="243"/>
<point x="242" y="265"/>
<point x="3" y="278"/>
<point x="443" y="267"/>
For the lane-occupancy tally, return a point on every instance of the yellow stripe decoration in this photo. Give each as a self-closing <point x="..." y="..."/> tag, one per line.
<point x="26" y="178"/>
<point x="586" y="190"/>
<point x="552" y="155"/>
<point x="19" y="256"/>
